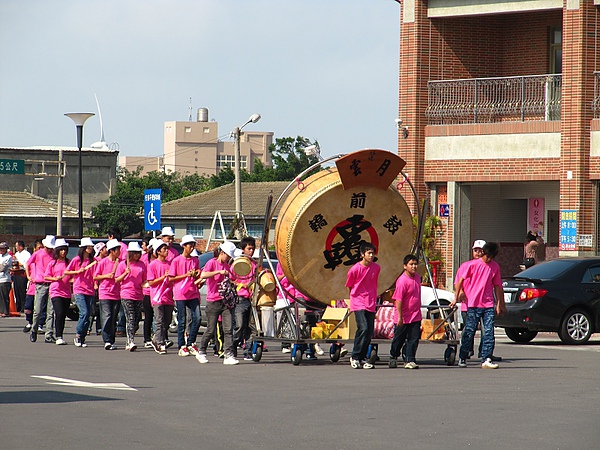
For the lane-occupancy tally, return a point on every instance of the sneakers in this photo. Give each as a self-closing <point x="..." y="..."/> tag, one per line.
<point x="318" y="350"/>
<point x="462" y="363"/>
<point x="107" y="346"/>
<point x="248" y="358"/>
<point x="33" y="336"/>
<point x="201" y="357"/>
<point x="343" y="352"/>
<point x="193" y="349"/>
<point x="355" y="363"/>
<point x="183" y="351"/>
<point x="49" y="340"/>
<point x="310" y="357"/>
<point x="230" y="360"/>
<point x="77" y="342"/>
<point x="148" y="344"/>
<point x="286" y="350"/>
<point x="169" y="343"/>
<point x="61" y="341"/>
<point x="367" y="365"/>
<point x="131" y="347"/>
<point x="488" y="364"/>
<point x="27" y="328"/>
<point x="162" y="349"/>
<point x="393" y="363"/>
<point x="411" y="365"/>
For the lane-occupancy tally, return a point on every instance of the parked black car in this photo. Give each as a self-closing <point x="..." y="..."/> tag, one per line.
<point x="561" y="295"/>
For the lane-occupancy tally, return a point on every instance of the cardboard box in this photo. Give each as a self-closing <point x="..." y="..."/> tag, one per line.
<point x="333" y="316"/>
<point x="428" y="325"/>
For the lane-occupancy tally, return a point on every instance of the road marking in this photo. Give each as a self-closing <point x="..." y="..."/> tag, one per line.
<point x="75" y="383"/>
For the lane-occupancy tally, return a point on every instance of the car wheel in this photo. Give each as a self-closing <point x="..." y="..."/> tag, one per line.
<point x="73" y="313"/>
<point x="521" y="335"/>
<point x="576" y="327"/>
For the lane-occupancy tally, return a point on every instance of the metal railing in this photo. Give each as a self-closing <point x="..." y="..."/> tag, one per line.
<point x="491" y="100"/>
<point x="596" y="100"/>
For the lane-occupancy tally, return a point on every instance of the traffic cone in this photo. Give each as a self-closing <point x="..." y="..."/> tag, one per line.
<point x="13" y="306"/>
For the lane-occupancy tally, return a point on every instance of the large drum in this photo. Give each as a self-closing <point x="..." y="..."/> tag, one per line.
<point x="321" y="225"/>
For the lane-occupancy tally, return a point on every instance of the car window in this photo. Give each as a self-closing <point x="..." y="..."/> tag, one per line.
<point x="548" y="269"/>
<point x="592" y="275"/>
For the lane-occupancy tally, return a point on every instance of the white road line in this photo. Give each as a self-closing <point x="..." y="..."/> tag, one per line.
<point x="84" y="384"/>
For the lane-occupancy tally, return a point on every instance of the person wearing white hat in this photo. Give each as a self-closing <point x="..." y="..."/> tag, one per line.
<point x="167" y="236"/>
<point x="35" y="269"/>
<point x="60" y="287"/>
<point x="81" y="269"/>
<point x="161" y="296"/>
<point x="215" y="271"/>
<point x="131" y="274"/>
<point x="147" y="257"/>
<point x="109" y="293"/>
<point x="184" y="271"/>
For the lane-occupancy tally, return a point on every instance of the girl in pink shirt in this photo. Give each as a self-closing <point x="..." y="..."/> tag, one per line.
<point x="161" y="296"/>
<point x="60" y="288"/>
<point x="109" y="293"/>
<point x="131" y="274"/>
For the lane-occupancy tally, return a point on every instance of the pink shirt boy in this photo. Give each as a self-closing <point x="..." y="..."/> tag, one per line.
<point x="479" y="279"/>
<point x="408" y="292"/>
<point x="39" y="262"/>
<point x="362" y="281"/>
<point x="212" y="283"/>
<point x="160" y="293"/>
<point x="131" y="286"/>
<point x="184" y="289"/>
<point x="108" y="290"/>
<point x="244" y="291"/>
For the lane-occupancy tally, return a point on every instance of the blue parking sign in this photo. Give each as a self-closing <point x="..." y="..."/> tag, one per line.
<point x="152" y="202"/>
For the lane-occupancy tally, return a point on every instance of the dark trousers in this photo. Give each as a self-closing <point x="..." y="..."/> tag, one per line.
<point x="20" y="291"/>
<point x="148" y="318"/>
<point x="60" y="305"/>
<point x="133" y="314"/>
<point x="409" y="333"/>
<point x="213" y="311"/>
<point x="109" y="313"/>
<point x="365" y="325"/>
<point x="5" y="298"/>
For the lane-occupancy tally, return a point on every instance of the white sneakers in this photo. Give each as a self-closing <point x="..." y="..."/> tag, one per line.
<point x="201" y="357"/>
<point x="230" y="360"/>
<point x="489" y="364"/>
<point x="61" y="341"/>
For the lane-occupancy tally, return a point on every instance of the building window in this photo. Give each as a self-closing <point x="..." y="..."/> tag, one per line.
<point x="188" y="129"/>
<point x="219" y="235"/>
<point x="255" y="230"/>
<point x="229" y="160"/>
<point x="556" y="50"/>
<point x="196" y="230"/>
<point x="206" y="130"/>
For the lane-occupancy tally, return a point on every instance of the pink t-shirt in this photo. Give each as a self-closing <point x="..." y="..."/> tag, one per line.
<point x="36" y="265"/>
<point x="61" y="288"/>
<point x="131" y="286"/>
<point x="362" y="281"/>
<point x="172" y="254"/>
<point x="212" y="284"/>
<point x="144" y="259"/>
<point x="108" y="290"/>
<point x="482" y="277"/>
<point x="408" y="292"/>
<point x="31" y="288"/>
<point x="460" y="274"/>
<point x="244" y="291"/>
<point x="184" y="289"/>
<point x="160" y="293"/>
<point x="123" y="253"/>
<point x="83" y="283"/>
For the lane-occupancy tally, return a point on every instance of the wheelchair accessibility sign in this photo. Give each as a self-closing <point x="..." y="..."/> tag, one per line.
<point x="152" y="202"/>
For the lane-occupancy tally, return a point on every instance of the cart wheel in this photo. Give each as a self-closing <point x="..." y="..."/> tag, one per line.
<point x="373" y="358"/>
<point x="335" y="352"/>
<point x="450" y="355"/>
<point x="257" y="353"/>
<point x="297" y="356"/>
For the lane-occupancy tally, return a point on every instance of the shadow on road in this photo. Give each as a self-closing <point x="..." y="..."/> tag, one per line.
<point x="16" y="397"/>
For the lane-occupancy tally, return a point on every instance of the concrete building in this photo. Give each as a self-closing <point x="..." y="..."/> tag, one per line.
<point x="196" y="147"/>
<point x="500" y="110"/>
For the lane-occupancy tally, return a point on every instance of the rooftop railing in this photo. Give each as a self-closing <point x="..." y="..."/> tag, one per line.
<point x="490" y="100"/>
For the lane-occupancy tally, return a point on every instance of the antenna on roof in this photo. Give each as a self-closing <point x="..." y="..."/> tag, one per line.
<point x="190" y="109"/>
<point x="102" y="144"/>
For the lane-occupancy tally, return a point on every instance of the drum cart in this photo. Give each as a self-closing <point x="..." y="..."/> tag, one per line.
<point x="290" y="326"/>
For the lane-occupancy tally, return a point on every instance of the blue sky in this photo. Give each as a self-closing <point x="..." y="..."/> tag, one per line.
<point x="322" y="69"/>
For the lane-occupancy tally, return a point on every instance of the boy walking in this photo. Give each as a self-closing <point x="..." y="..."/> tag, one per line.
<point x="362" y="285"/>
<point x="481" y="281"/>
<point x="407" y="314"/>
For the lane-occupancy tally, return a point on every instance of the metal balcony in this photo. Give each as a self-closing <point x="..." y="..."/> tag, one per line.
<point x="492" y="100"/>
<point x="596" y="100"/>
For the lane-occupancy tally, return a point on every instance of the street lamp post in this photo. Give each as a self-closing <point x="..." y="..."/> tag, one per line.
<point x="79" y="119"/>
<point x="238" y="180"/>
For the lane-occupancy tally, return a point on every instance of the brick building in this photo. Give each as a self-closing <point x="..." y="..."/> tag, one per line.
<point x="500" y="101"/>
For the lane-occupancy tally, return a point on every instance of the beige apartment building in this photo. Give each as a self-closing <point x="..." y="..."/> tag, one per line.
<point x="196" y="147"/>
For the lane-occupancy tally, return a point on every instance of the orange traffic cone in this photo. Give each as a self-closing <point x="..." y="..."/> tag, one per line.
<point x="13" y="306"/>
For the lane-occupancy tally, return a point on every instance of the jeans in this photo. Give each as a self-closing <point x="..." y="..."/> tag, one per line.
<point x="409" y="332"/>
<point x="241" y="330"/>
<point x="60" y="305"/>
<point x="84" y="304"/>
<point x="474" y="315"/>
<point x="194" y="307"/>
<point x="109" y="313"/>
<point x="41" y="302"/>
<point x="133" y="314"/>
<point x="213" y="311"/>
<point x="365" y="325"/>
<point x="162" y="320"/>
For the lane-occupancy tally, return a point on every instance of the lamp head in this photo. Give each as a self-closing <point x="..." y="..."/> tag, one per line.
<point x="254" y="118"/>
<point x="79" y="118"/>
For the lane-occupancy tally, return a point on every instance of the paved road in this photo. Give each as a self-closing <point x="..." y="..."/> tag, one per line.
<point x="544" y="396"/>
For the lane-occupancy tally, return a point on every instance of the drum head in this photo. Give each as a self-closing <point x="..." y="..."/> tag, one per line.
<point x="320" y="229"/>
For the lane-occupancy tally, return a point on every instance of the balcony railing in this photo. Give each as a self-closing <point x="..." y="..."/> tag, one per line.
<point x="490" y="100"/>
<point x="596" y="101"/>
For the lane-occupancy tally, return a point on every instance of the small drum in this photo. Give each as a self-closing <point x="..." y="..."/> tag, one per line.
<point x="266" y="298"/>
<point x="241" y="266"/>
<point x="267" y="281"/>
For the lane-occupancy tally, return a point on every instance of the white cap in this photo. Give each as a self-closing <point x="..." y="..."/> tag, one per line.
<point x="187" y="239"/>
<point x="48" y="241"/>
<point x="238" y="252"/>
<point x="134" y="247"/>
<point x="229" y="248"/>
<point x="195" y="253"/>
<point x="479" y="243"/>
<point x="98" y="248"/>
<point x="86" y="242"/>
<point x="112" y="243"/>
<point x="60" y="242"/>
<point x="152" y="243"/>
<point x="167" y="231"/>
